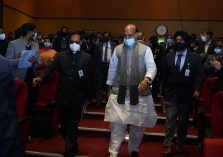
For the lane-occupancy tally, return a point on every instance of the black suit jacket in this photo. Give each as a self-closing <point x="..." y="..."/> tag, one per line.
<point x="72" y="89"/>
<point x="57" y="43"/>
<point x="210" y="51"/>
<point x="99" y="52"/>
<point x="201" y="47"/>
<point x="175" y="86"/>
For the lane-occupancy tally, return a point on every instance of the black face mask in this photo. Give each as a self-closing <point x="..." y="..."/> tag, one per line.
<point x="63" y="34"/>
<point x="106" y="40"/>
<point x="179" y="46"/>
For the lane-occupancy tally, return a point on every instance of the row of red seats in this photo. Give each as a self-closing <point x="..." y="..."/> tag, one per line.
<point x="211" y="102"/>
<point x="213" y="146"/>
<point x="46" y="95"/>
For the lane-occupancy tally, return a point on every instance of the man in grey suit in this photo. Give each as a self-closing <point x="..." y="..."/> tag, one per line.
<point x="14" y="52"/>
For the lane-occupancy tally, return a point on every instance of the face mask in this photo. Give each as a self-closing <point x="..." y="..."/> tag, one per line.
<point x="179" y="46"/>
<point x="63" y="34"/>
<point x="204" y="38"/>
<point x="47" y="44"/>
<point x="129" y="42"/>
<point x="106" y="40"/>
<point x="74" y="47"/>
<point x="34" y="36"/>
<point x="2" y="36"/>
<point x="169" y="41"/>
<point x="218" y="50"/>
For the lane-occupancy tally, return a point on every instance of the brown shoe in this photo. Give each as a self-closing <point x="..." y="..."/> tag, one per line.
<point x="179" y="149"/>
<point x="168" y="151"/>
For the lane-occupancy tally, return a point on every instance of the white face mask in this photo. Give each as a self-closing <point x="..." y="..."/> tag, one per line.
<point x="34" y="36"/>
<point x="204" y="38"/>
<point x="47" y="44"/>
<point x="74" y="47"/>
<point x="2" y="36"/>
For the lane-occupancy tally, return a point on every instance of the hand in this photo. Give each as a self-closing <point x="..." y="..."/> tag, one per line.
<point x="36" y="81"/>
<point x="32" y="60"/>
<point x="196" y="94"/>
<point x="143" y="85"/>
<point x="216" y="64"/>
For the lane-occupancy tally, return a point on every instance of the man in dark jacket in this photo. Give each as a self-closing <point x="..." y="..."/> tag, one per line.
<point x="61" y="42"/>
<point x="74" y="67"/>
<point x="180" y="70"/>
<point x="103" y="53"/>
<point x="207" y="44"/>
<point x="9" y="142"/>
<point x="213" y="64"/>
<point x="3" y="42"/>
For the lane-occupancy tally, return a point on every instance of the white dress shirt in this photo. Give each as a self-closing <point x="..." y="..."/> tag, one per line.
<point x="109" y="52"/>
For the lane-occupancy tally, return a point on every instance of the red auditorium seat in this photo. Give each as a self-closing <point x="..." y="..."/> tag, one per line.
<point x="21" y="105"/>
<point x="46" y="113"/>
<point x="209" y="89"/>
<point x="204" y="111"/>
<point x="213" y="147"/>
<point x="217" y="115"/>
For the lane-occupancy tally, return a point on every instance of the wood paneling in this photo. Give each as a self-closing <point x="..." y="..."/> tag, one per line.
<point x="25" y="6"/>
<point x="14" y="19"/>
<point x="131" y="9"/>
<point x="1" y="13"/>
<point x="104" y="15"/>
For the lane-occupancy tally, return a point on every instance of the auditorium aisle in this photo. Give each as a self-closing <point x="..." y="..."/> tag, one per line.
<point x="95" y="134"/>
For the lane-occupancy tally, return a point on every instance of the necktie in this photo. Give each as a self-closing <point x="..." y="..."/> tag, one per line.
<point x="178" y="61"/>
<point x="106" y="51"/>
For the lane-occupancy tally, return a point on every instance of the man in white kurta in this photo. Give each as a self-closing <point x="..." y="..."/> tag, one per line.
<point x="139" y="115"/>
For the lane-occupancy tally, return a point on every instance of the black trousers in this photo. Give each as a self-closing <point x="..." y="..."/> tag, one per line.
<point x="33" y="91"/>
<point x="69" y="121"/>
<point x="177" y="117"/>
<point x="101" y="81"/>
<point x="155" y="87"/>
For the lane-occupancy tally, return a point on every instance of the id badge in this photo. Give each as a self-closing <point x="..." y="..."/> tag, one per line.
<point x="187" y="72"/>
<point x="81" y="74"/>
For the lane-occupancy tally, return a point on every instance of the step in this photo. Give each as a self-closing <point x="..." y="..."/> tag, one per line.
<point x="94" y="111"/>
<point x="98" y="126"/>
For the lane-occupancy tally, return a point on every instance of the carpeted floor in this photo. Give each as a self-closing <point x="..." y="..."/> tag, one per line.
<point x="98" y="147"/>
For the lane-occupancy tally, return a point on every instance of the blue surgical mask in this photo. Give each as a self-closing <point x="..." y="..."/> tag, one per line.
<point x="129" y="42"/>
<point x="218" y="50"/>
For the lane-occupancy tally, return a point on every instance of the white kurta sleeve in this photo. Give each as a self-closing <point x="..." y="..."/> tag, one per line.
<point x="112" y="68"/>
<point x="150" y="64"/>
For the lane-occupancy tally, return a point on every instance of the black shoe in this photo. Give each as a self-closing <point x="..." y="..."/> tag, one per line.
<point x="134" y="154"/>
